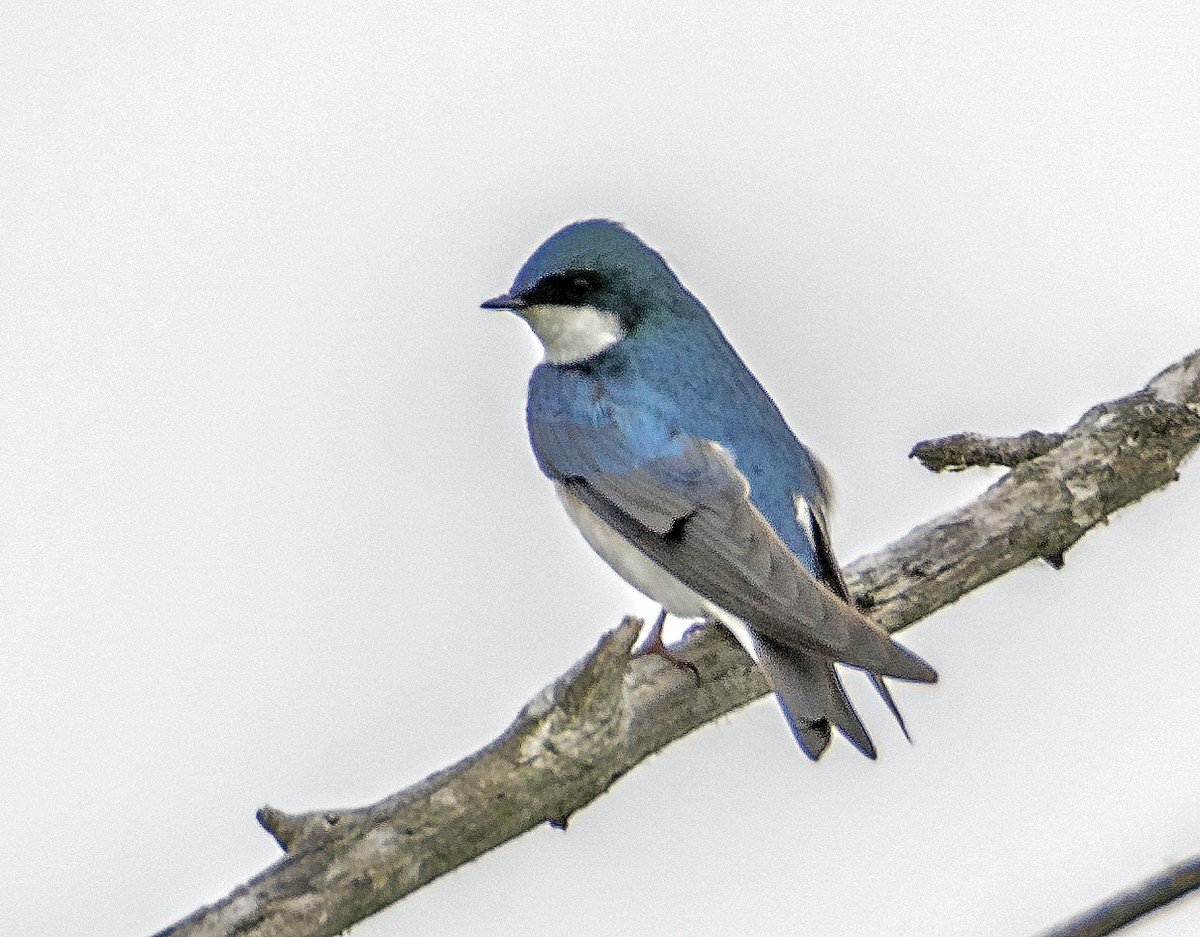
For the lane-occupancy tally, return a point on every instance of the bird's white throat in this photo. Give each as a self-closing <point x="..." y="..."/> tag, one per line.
<point x="573" y="333"/>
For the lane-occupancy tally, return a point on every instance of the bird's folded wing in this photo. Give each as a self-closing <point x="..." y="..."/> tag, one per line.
<point x="689" y="510"/>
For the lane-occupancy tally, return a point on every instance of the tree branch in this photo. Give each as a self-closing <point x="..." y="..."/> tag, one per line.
<point x="608" y="713"/>
<point x="1128" y="906"/>
<point x="963" y="450"/>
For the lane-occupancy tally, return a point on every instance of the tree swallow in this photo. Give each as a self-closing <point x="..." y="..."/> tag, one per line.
<point x="680" y="471"/>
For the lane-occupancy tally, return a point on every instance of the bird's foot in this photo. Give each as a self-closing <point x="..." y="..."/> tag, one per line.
<point x="654" y="645"/>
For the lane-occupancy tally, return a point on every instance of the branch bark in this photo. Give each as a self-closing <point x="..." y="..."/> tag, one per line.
<point x="963" y="450"/>
<point x="609" y="712"/>
<point x="1126" y="907"/>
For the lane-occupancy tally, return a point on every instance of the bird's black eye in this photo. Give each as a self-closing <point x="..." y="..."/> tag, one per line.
<point x="565" y="289"/>
<point x="573" y="288"/>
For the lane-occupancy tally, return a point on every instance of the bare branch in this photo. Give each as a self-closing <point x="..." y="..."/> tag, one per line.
<point x="963" y="450"/>
<point x="1128" y="906"/>
<point x="1116" y="454"/>
<point x="608" y="713"/>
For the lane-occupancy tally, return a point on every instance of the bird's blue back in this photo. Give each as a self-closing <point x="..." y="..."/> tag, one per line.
<point x="673" y="375"/>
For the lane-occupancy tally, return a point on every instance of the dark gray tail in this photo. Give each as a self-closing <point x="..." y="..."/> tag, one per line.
<point x="814" y="700"/>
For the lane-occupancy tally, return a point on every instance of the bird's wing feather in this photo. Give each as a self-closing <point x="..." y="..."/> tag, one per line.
<point x="688" y="509"/>
<point x="832" y="574"/>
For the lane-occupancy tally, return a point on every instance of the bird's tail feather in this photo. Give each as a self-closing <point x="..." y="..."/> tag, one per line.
<point x="813" y="698"/>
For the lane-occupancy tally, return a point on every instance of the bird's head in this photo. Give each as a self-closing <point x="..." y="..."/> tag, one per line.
<point x="588" y="287"/>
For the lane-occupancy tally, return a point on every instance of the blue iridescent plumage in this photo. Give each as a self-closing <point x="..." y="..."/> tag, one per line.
<point x="682" y="473"/>
<point x="683" y="358"/>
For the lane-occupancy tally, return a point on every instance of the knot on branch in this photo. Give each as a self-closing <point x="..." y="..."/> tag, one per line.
<point x="292" y="829"/>
<point x="964" y="450"/>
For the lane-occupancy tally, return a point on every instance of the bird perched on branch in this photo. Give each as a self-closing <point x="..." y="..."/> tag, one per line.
<point x="681" y="473"/>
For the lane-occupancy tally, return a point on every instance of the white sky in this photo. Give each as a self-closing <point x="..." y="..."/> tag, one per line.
<point x="271" y="531"/>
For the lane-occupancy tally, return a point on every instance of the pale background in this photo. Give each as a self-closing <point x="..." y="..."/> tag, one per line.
<point x="270" y="530"/>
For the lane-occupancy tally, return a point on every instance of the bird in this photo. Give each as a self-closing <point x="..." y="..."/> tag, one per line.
<point x="682" y="474"/>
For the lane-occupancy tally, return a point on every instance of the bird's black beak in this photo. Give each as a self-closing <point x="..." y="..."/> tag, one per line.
<point x="506" y="301"/>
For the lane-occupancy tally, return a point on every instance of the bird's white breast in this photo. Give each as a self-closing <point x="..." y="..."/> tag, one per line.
<point x="641" y="572"/>
<point x="573" y="333"/>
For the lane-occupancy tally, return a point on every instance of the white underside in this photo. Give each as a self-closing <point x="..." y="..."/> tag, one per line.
<point x="573" y="333"/>
<point x="641" y="572"/>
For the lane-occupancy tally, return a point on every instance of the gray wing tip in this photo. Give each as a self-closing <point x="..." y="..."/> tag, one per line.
<point x="906" y="666"/>
<point x="928" y="674"/>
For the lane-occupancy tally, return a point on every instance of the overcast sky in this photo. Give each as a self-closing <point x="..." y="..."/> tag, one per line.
<point x="271" y="530"/>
